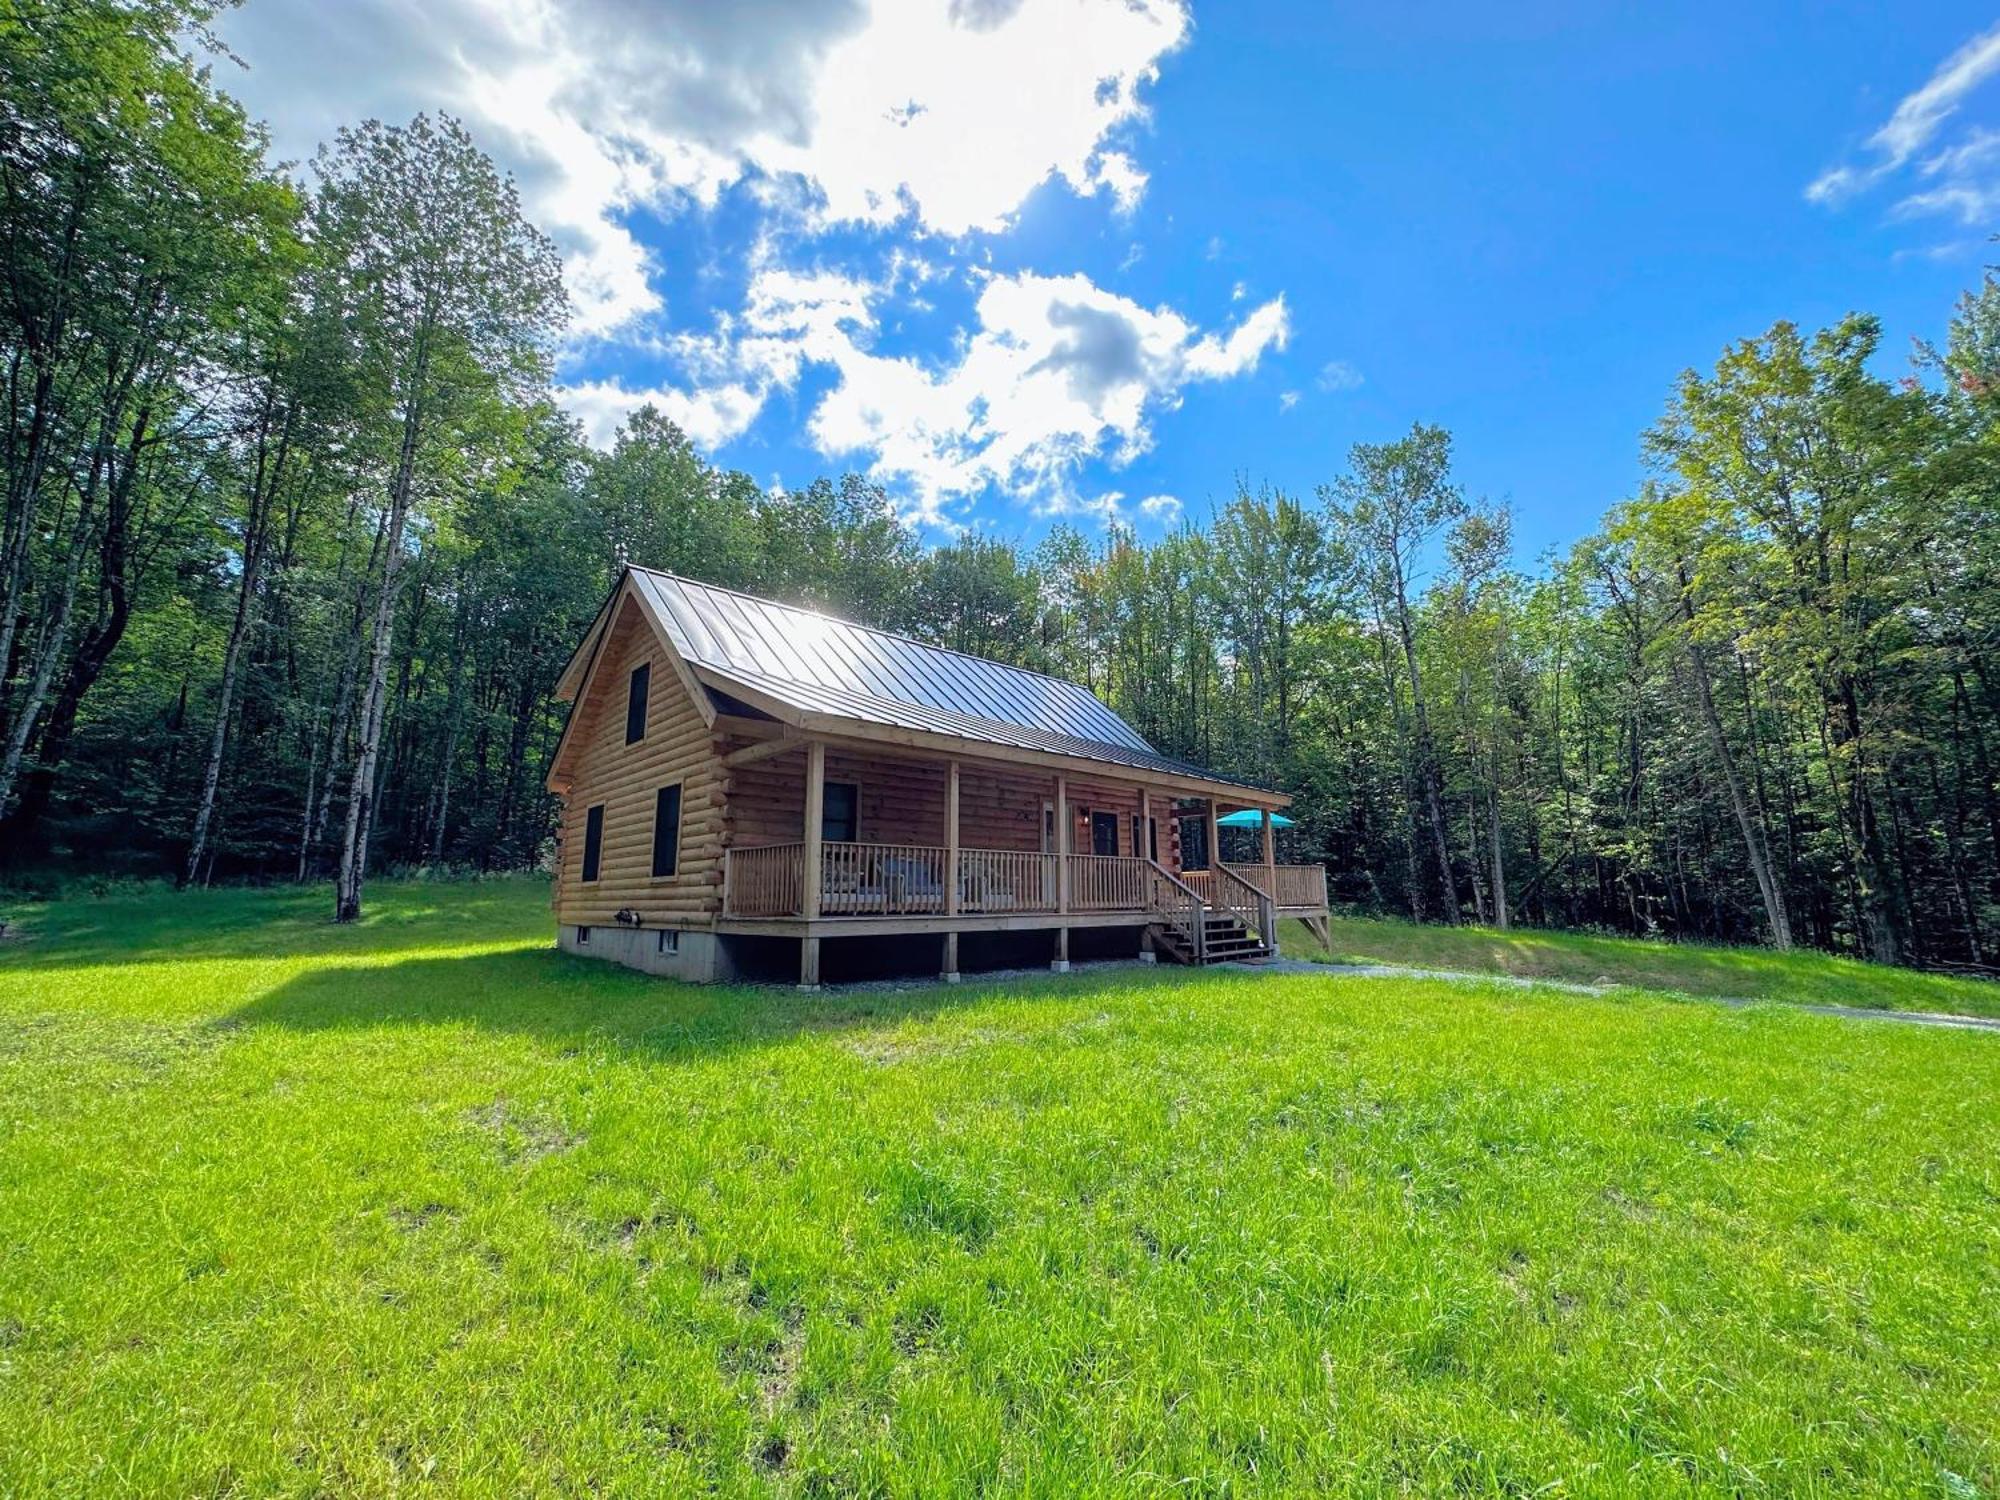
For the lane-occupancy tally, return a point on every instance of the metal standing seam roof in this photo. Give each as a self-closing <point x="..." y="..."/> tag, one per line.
<point x="820" y="664"/>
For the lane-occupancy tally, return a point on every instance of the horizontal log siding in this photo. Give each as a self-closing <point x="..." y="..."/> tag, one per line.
<point x="626" y="779"/>
<point x="902" y="802"/>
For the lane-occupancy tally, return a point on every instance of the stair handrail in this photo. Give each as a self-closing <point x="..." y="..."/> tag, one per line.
<point x="1188" y="914"/>
<point x="1263" y="905"/>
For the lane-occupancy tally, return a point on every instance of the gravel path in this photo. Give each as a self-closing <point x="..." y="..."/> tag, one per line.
<point x="1460" y="976"/>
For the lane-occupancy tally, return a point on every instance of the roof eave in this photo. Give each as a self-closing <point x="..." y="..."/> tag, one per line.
<point x="867" y="731"/>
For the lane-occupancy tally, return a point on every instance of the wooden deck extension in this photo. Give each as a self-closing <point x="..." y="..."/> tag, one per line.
<point x="1205" y="916"/>
<point x="813" y="887"/>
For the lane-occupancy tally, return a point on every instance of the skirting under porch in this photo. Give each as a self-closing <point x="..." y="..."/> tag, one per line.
<point x="845" y="952"/>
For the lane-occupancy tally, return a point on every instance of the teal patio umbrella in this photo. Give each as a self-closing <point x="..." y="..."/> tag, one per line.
<point x="1253" y="819"/>
<point x="1250" y="817"/>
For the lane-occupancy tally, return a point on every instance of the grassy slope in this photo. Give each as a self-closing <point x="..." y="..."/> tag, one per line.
<point x="1690" y="968"/>
<point x="425" y="1206"/>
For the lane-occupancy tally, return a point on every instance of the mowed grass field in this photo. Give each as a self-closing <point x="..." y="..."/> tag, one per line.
<point x="1802" y="976"/>
<point x="423" y="1207"/>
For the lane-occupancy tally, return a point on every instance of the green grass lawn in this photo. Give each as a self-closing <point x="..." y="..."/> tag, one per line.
<point x="422" y="1206"/>
<point x="1689" y="968"/>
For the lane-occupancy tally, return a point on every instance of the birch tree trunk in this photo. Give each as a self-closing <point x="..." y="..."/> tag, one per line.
<point x="1754" y="847"/>
<point x="1427" y="762"/>
<point x="353" y="868"/>
<point x="49" y="648"/>
<point x="256" y="522"/>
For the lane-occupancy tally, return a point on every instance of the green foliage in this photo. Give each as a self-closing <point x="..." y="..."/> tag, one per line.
<point x="320" y="500"/>
<point x="421" y="1205"/>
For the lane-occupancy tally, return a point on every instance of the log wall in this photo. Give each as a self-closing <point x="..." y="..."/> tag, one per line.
<point x="902" y="802"/>
<point x="626" y="779"/>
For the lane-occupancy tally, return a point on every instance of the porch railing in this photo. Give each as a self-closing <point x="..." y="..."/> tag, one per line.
<point x="1179" y="905"/>
<point x="1230" y="894"/>
<point x="1006" y="880"/>
<point x="1108" y="882"/>
<point x="1298" y="885"/>
<point x="881" y="880"/>
<point x="767" y="880"/>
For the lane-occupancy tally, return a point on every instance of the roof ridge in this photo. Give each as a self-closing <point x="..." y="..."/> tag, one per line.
<point x="894" y="635"/>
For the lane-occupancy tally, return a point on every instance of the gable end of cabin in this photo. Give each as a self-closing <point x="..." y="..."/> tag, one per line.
<point x="639" y="749"/>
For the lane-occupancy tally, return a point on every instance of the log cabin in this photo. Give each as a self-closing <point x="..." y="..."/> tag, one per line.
<point x="755" y="791"/>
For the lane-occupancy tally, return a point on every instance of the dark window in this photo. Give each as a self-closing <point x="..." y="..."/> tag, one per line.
<point x="635" y="703"/>
<point x="840" y="818"/>
<point x="669" y="940"/>
<point x="583" y="937"/>
<point x="667" y="830"/>
<point x="1103" y="833"/>
<point x="1194" y="844"/>
<point x="593" y="841"/>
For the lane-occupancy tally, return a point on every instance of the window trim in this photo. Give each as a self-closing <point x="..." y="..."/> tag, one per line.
<point x="592" y="865"/>
<point x="582" y="936"/>
<point x="679" y="788"/>
<point x="667" y="941"/>
<point x="1146" y="838"/>
<point x="642" y="699"/>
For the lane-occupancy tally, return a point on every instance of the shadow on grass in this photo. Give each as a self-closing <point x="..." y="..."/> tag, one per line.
<point x="540" y="993"/>
<point x="273" y="922"/>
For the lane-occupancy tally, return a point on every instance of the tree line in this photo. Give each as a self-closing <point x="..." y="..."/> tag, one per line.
<point x="296" y="542"/>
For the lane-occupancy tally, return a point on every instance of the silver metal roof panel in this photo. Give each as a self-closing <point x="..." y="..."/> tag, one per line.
<point x="825" y="665"/>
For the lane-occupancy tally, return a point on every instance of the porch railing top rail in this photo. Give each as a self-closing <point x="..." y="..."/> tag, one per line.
<point x="862" y="879"/>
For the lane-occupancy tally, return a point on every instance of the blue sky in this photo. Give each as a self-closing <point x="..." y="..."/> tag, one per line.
<point x="1023" y="259"/>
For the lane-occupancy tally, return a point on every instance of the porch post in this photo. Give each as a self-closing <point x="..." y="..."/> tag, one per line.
<point x="1061" y="964"/>
<point x="1268" y="907"/>
<point x="810" y="851"/>
<point x="951" y="893"/>
<point x="1214" y="837"/>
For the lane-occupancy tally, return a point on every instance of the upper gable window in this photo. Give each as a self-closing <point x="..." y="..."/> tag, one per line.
<point x="635" y="703"/>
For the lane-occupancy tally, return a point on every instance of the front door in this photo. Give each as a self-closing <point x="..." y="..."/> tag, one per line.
<point x="1103" y="833"/>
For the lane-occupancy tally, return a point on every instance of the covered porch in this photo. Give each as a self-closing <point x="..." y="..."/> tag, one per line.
<point x="833" y="838"/>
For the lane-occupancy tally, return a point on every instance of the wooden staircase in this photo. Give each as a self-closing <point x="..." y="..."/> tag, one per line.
<point x="1224" y="940"/>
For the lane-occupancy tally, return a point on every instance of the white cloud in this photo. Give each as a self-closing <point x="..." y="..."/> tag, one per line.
<point x="1338" y="375"/>
<point x="951" y="113"/>
<point x="710" y="415"/>
<point x="1910" y="129"/>
<point x="1055" y="373"/>
<point x="1119" y="175"/>
<point x="1287" y="400"/>
<point x="957" y="112"/>
<point x="922" y="117"/>
<point x="1058" y="372"/>
<point x="1164" y="508"/>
